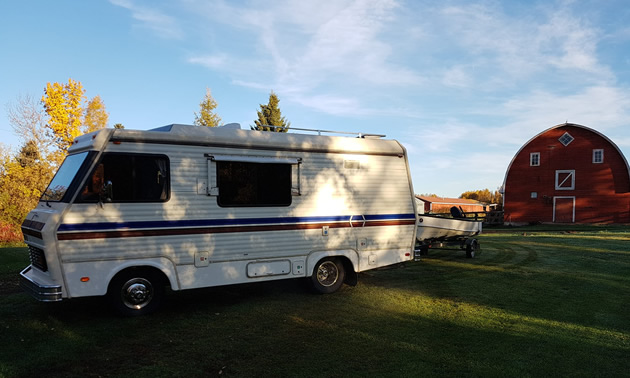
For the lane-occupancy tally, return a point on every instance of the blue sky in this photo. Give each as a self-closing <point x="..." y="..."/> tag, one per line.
<point x="462" y="84"/>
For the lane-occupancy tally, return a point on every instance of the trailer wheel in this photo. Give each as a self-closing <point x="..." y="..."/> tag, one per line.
<point x="136" y="292"/>
<point x="471" y="248"/>
<point x="328" y="275"/>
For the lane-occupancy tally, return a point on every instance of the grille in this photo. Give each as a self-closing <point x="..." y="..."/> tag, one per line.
<point x="37" y="258"/>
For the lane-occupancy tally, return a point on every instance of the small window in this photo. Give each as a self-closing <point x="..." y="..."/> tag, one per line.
<point x="533" y="195"/>
<point x="128" y="178"/>
<point x="565" y="179"/>
<point x="253" y="184"/>
<point x="565" y="139"/>
<point x="598" y="156"/>
<point x="534" y="159"/>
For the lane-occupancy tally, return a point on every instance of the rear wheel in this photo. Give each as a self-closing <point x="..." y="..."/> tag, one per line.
<point x="136" y="292"/>
<point x="328" y="275"/>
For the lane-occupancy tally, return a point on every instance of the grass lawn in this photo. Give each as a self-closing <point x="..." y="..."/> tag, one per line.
<point x="533" y="302"/>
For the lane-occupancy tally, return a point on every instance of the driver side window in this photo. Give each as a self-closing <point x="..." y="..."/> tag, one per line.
<point x="122" y="177"/>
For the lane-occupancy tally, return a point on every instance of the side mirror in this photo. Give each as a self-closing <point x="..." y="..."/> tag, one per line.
<point x="108" y="193"/>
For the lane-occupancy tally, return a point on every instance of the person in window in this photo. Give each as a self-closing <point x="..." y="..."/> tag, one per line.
<point x="94" y="185"/>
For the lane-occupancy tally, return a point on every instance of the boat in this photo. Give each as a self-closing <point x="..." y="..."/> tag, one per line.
<point x="438" y="229"/>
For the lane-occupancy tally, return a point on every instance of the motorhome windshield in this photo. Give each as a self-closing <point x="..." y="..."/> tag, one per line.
<point x="63" y="179"/>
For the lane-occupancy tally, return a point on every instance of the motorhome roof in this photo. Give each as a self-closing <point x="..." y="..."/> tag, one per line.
<point x="232" y="137"/>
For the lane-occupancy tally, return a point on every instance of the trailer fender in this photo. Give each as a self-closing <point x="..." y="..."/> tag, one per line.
<point x="350" y="259"/>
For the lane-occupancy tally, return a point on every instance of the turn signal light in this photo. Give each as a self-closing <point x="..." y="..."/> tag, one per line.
<point x="85" y="279"/>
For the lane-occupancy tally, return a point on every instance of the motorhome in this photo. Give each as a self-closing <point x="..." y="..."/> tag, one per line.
<point x="130" y="212"/>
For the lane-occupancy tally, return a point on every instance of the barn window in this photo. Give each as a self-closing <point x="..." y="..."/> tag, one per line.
<point x="565" y="139"/>
<point x="598" y="156"/>
<point x="533" y="195"/>
<point x="565" y="179"/>
<point x="534" y="159"/>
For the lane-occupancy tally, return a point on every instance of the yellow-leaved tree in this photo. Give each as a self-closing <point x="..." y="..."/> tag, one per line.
<point x="46" y="135"/>
<point x="64" y="105"/>
<point x="95" y="115"/>
<point x="23" y="178"/>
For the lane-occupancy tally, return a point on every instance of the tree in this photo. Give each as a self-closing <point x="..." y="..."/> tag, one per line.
<point x="206" y="116"/>
<point x="22" y="180"/>
<point x="270" y="115"/>
<point x="484" y="196"/>
<point x="46" y="133"/>
<point x="28" y="120"/>
<point x="63" y="104"/>
<point x="96" y="116"/>
<point x="29" y="154"/>
<point x="119" y="126"/>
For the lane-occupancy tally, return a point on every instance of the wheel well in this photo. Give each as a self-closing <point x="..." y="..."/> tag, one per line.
<point x="351" y="275"/>
<point x="157" y="273"/>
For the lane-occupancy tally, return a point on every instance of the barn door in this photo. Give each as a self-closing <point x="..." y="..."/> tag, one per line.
<point x="564" y="209"/>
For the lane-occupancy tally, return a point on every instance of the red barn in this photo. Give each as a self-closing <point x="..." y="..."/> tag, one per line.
<point x="567" y="174"/>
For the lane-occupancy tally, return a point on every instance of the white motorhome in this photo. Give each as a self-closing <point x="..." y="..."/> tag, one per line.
<point x="129" y="212"/>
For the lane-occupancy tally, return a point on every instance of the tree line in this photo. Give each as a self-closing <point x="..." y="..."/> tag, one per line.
<point x="46" y="128"/>
<point x="483" y="196"/>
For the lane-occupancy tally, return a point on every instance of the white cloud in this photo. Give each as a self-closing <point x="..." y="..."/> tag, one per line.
<point x="161" y="24"/>
<point x="331" y="104"/>
<point x="218" y="61"/>
<point x="598" y="107"/>
<point x="457" y="77"/>
<point x="504" y="50"/>
<point x="316" y="53"/>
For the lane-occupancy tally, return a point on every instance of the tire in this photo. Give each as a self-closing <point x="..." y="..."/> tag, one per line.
<point x="472" y="248"/>
<point x="328" y="275"/>
<point x="136" y="292"/>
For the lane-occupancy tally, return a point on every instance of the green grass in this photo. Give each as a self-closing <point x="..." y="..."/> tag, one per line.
<point x="533" y="302"/>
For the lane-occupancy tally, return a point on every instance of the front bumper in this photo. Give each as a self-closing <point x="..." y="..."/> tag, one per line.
<point x="41" y="292"/>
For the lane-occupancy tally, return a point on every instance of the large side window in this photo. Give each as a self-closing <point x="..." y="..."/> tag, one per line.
<point x="253" y="184"/>
<point x="120" y="177"/>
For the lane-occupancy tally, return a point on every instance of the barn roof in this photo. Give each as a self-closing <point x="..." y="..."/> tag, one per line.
<point x="564" y="125"/>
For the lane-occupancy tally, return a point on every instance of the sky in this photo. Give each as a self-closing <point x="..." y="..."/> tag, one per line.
<point x="463" y="85"/>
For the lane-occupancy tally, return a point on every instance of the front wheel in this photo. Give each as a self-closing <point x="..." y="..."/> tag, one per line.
<point x="328" y="275"/>
<point x="136" y="292"/>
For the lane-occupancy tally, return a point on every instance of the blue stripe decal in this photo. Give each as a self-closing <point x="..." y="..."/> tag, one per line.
<point x="102" y="226"/>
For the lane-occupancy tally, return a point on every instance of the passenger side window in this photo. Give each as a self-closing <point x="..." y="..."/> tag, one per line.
<point x="253" y="184"/>
<point x="122" y="177"/>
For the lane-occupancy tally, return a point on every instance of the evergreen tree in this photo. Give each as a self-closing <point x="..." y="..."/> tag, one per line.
<point x="270" y="115"/>
<point x="29" y="154"/>
<point x="207" y="116"/>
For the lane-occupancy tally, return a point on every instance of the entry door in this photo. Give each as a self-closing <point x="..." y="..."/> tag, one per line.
<point x="564" y="209"/>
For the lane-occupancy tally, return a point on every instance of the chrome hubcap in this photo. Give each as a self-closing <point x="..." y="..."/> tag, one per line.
<point x="137" y="293"/>
<point x="327" y="273"/>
